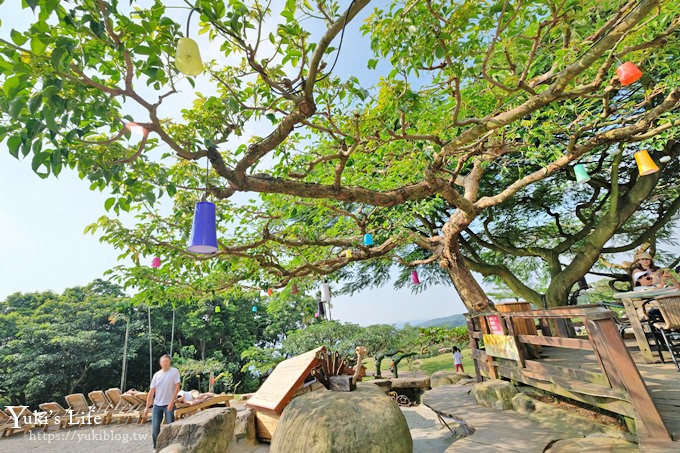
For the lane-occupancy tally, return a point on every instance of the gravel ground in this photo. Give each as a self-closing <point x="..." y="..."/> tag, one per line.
<point x="130" y="438"/>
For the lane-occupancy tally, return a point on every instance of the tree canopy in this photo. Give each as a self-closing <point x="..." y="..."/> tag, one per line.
<point x="479" y="105"/>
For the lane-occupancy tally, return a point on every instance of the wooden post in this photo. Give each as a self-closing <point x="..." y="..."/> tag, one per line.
<point x="620" y="368"/>
<point x="638" y="330"/>
<point x="493" y="373"/>
<point x="510" y="323"/>
<point x="474" y="346"/>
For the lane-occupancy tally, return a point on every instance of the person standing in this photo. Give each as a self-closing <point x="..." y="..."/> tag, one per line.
<point x="458" y="359"/>
<point x="165" y="386"/>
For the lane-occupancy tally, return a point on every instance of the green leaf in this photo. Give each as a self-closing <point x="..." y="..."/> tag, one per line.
<point x="108" y="204"/>
<point x="34" y="103"/>
<point x="38" y="160"/>
<point x="37" y="46"/>
<point x="18" y="38"/>
<point x="16" y="106"/>
<point x="13" y="144"/>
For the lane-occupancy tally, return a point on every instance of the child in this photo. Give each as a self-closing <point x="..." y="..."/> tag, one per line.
<point x="458" y="359"/>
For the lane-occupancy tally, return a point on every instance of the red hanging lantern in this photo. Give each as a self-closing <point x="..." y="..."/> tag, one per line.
<point x="628" y="73"/>
<point x="293" y="289"/>
<point x="270" y="292"/>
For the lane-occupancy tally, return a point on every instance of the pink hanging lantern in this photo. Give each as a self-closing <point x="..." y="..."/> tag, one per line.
<point x="414" y="278"/>
<point x="156" y="262"/>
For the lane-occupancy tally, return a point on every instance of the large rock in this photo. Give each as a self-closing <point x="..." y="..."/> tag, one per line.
<point x="208" y="431"/>
<point x="593" y="445"/>
<point x="444" y="377"/>
<point x="523" y="404"/>
<point x="416" y="382"/>
<point x="244" y="431"/>
<point x="571" y="423"/>
<point x="494" y="393"/>
<point x="323" y="421"/>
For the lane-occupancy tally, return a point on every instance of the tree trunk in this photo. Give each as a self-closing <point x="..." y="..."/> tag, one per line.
<point x="172" y="331"/>
<point x="123" y="375"/>
<point x="620" y="211"/>
<point x="469" y="290"/>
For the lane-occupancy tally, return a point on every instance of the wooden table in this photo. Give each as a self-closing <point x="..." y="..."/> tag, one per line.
<point x="633" y="300"/>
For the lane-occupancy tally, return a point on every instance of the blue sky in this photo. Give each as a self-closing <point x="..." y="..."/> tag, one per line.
<point x="42" y="221"/>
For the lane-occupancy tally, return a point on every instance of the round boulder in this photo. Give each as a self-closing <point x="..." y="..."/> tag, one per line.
<point x="444" y="377"/>
<point x="321" y="421"/>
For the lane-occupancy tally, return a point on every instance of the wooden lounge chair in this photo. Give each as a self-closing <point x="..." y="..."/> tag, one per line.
<point x="6" y="423"/>
<point x="101" y="405"/>
<point x="25" y="423"/>
<point x="141" y="397"/>
<point x="670" y="327"/>
<point x="114" y="395"/>
<point x="188" y="410"/>
<point x="128" y="409"/>
<point x="56" y="415"/>
<point x="80" y="408"/>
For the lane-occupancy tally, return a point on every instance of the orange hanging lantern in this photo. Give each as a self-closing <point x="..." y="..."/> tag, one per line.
<point x="645" y="163"/>
<point x="270" y="292"/>
<point x="628" y="73"/>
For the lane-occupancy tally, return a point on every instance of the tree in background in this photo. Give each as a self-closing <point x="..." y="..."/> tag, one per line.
<point x="476" y="102"/>
<point x="89" y="337"/>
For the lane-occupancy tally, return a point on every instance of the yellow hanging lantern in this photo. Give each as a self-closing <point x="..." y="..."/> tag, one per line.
<point x="348" y="254"/>
<point x="646" y="166"/>
<point x="188" y="57"/>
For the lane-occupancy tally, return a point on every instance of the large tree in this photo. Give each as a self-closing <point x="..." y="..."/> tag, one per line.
<point x="471" y="92"/>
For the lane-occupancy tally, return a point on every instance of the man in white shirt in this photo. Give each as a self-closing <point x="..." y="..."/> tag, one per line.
<point x="164" y="388"/>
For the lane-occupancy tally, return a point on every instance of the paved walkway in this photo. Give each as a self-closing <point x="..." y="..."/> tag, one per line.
<point x="494" y="431"/>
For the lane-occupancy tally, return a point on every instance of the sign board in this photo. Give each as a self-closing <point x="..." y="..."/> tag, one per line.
<point x="495" y="324"/>
<point x="502" y="346"/>
<point x="286" y="379"/>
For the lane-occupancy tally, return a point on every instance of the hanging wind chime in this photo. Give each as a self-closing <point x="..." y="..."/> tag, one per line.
<point x="581" y="174"/>
<point x="628" y="73"/>
<point x="204" y="230"/>
<point x="325" y="292"/>
<point x="645" y="163"/>
<point x="188" y="56"/>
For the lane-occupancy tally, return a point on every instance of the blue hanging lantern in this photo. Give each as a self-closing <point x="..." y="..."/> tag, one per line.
<point x="254" y="308"/>
<point x="582" y="176"/>
<point x="204" y="230"/>
<point x="368" y="239"/>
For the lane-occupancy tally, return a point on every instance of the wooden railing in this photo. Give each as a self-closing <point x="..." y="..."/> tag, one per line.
<point x="540" y="348"/>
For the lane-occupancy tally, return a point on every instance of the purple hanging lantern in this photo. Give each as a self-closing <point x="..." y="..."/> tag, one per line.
<point x="204" y="231"/>
<point x="414" y="278"/>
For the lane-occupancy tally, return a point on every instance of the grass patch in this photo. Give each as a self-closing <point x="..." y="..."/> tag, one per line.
<point x="445" y="362"/>
<point x="428" y="366"/>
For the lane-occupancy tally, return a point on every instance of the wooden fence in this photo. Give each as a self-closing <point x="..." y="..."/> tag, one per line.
<point x="541" y="348"/>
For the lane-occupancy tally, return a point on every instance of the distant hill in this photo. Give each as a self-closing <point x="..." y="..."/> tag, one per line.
<point x="447" y="321"/>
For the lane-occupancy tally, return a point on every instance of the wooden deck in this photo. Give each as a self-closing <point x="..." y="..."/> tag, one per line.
<point x="541" y="348"/>
<point x="662" y="380"/>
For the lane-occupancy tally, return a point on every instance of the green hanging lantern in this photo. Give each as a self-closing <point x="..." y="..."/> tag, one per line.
<point x="582" y="175"/>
